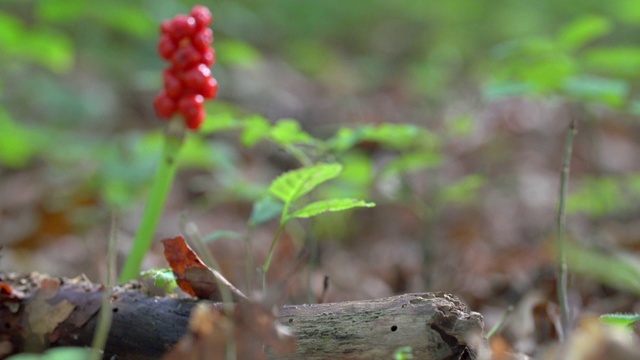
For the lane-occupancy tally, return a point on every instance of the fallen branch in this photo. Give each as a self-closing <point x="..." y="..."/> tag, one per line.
<point x="39" y="312"/>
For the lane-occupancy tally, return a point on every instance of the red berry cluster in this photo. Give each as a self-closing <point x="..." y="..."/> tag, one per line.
<point x="186" y="43"/>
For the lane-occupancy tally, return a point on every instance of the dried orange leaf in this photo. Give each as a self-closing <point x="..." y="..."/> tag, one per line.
<point x="192" y="275"/>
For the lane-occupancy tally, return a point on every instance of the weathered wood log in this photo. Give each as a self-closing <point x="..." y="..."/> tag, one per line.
<point x="435" y="325"/>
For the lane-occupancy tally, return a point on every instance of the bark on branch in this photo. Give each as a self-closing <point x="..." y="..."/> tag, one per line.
<point x="40" y="314"/>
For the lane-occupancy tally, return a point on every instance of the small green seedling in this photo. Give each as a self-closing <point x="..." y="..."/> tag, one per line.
<point x="293" y="185"/>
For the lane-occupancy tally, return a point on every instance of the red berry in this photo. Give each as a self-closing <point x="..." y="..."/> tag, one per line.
<point x="182" y="26"/>
<point x="172" y="84"/>
<point x="194" y="122"/>
<point x="209" y="57"/>
<point x="166" y="47"/>
<point x="202" y="39"/>
<point x="164" y="106"/>
<point x="202" y="15"/>
<point x="185" y="57"/>
<point x="196" y="77"/>
<point x="165" y="27"/>
<point x="210" y="88"/>
<point x="190" y="105"/>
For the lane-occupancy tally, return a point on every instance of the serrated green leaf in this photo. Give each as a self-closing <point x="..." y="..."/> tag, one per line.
<point x="332" y="205"/>
<point x="293" y="184"/>
<point x="264" y="210"/>
<point x="622" y="320"/>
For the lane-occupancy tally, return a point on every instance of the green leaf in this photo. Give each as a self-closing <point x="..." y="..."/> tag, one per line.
<point x="219" y="122"/>
<point x="293" y="184"/>
<point x="264" y="210"/>
<point x="617" y="61"/>
<point x="61" y="353"/>
<point x="413" y="161"/>
<point x="162" y="278"/>
<point x="288" y="131"/>
<point x="583" y="30"/>
<point x="463" y="191"/>
<point x="620" y="320"/>
<point x="330" y="205"/>
<point x="608" y="91"/>
<point x="234" y="52"/>
<point x="18" y="144"/>
<point x="614" y="269"/>
<point x="255" y="129"/>
<point x="403" y="353"/>
<point x="597" y="197"/>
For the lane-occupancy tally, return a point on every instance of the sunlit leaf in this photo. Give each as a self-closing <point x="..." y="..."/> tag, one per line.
<point x="162" y="278"/>
<point x="330" y="205"/>
<point x="619" y="60"/>
<point x="255" y="129"/>
<point x="584" y="30"/>
<point x="296" y="183"/>
<point x="620" y="320"/>
<point x="288" y="131"/>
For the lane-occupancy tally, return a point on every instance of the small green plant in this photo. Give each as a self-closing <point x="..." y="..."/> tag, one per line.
<point x="291" y="186"/>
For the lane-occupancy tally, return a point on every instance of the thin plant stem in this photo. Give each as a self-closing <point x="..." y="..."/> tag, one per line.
<point x="105" y="316"/>
<point x="497" y="327"/>
<point x="267" y="263"/>
<point x="560" y="236"/>
<point x="155" y="204"/>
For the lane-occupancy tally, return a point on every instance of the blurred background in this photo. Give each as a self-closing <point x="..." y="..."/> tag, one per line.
<point x="479" y="94"/>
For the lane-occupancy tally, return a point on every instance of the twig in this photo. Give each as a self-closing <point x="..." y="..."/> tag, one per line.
<point x="560" y="236"/>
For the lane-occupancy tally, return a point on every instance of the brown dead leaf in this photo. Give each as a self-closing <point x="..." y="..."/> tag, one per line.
<point x="192" y="275"/>
<point x="43" y="317"/>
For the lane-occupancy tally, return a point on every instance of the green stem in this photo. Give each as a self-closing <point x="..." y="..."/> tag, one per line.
<point x="561" y="242"/>
<point x="267" y="262"/>
<point x="155" y="204"/>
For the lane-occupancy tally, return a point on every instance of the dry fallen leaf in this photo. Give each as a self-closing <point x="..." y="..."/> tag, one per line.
<point x="43" y="317"/>
<point x="192" y="275"/>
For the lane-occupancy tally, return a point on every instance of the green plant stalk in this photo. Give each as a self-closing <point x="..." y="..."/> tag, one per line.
<point x="155" y="204"/>
<point x="560" y="236"/>
<point x="272" y="248"/>
<point x="106" y="313"/>
<point x="267" y="263"/>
